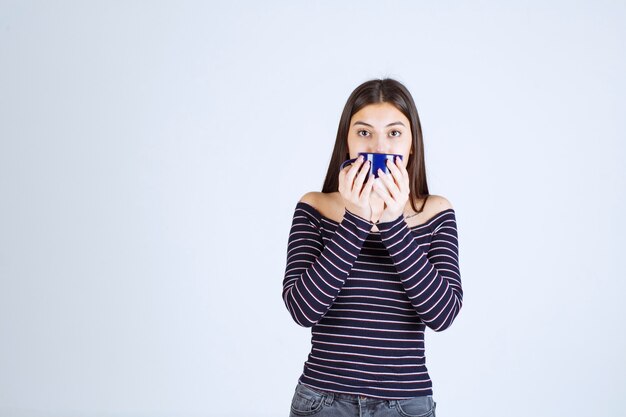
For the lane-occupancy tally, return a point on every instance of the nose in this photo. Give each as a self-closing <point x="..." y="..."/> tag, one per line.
<point x="379" y="144"/>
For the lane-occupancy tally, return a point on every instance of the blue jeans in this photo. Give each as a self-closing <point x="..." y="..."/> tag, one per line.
<point x="313" y="402"/>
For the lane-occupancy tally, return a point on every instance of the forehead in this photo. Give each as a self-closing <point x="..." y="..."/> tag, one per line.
<point x="379" y="114"/>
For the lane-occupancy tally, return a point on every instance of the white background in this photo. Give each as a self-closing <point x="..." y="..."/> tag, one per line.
<point x="152" y="154"/>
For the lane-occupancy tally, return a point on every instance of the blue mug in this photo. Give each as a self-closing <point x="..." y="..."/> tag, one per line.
<point x="377" y="160"/>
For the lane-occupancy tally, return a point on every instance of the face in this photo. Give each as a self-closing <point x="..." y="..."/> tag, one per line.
<point x="380" y="128"/>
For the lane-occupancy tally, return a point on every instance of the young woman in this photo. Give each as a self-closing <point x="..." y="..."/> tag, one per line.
<point x="368" y="271"/>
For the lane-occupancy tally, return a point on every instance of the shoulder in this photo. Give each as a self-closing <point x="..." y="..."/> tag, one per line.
<point x="436" y="204"/>
<point x="325" y="204"/>
<point x="311" y="198"/>
<point x="430" y="214"/>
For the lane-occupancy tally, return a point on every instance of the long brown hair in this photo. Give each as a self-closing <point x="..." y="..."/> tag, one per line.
<point x="376" y="91"/>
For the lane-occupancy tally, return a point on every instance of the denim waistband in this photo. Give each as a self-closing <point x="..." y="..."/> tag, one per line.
<point x="353" y="398"/>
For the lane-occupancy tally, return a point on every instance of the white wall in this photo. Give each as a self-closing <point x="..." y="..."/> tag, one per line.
<point x="151" y="156"/>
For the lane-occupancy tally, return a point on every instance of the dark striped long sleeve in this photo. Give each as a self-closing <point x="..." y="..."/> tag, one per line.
<point x="432" y="280"/>
<point x="315" y="273"/>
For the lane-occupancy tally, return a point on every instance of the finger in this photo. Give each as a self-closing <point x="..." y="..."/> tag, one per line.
<point x="358" y="183"/>
<point x="342" y="175"/>
<point x="392" y="187"/>
<point x="367" y="189"/>
<point x="395" y="170"/>
<point x="398" y="162"/>
<point x="404" y="185"/>
<point x="402" y="168"/>
<point x="380" y="185"/>
<point x="382" y="192"/>
<point x="353" y="171"/>
<point x="401" y="175"/>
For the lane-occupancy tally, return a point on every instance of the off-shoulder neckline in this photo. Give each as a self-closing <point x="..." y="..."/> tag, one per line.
<point x="427" y="222"/>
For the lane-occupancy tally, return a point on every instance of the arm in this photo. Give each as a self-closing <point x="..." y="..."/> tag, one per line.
<point x="432" y="280"/>
<point x="315" y="273"/>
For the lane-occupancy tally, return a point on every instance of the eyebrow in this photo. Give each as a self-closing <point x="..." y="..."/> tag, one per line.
<point x="369" y="125"/>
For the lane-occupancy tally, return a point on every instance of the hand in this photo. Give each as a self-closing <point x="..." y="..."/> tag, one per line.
<point x="378" y="205"/>
<point x="393" y="188"/>
<point x="356" y="197"/>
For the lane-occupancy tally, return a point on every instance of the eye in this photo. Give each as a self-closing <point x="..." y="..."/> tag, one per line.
<point x="363" y="133"/>
<point x="395" y="133"/>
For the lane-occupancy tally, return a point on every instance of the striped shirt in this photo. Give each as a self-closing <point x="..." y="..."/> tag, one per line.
<point x="368" y="297"/>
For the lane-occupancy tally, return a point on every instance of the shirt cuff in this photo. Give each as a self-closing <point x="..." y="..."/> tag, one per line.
<point x="386" y="226"/>
<point x="360" y="221"/>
